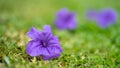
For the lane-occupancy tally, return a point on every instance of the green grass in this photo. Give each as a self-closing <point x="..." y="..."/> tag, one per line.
<point x="88" y="46"/>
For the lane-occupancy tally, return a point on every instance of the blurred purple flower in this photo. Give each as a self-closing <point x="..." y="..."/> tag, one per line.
<point x="103" y="18"/>
<point x="106" y="17"/>
<point x="43" y="43"/>
<point x="65" y="20"/>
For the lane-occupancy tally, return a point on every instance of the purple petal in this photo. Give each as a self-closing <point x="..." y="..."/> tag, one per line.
<point x="72" y="24"/>
<point x="56" y="49"/>
<point x="62" y="13"/>
<point x="45" y="52"/>
<point x="46" y="57"/>
<point x="47" y="36"/>
<point x="33" y="33"/>
<point x="34" y="48"/>
<point x="47" y="28"/>
<point x="60" y="24"/>
<point x="54" y="42"/>
<point x="54" y="52"/>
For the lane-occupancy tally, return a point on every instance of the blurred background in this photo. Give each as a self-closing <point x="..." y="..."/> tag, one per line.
<point x="18" y="16"/>
<point x="38" y="12"/>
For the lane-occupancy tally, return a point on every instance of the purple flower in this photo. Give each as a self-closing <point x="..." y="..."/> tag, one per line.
<point x="43" y="43"/>
<point x="103" y="18"/>
<point x="106" y="17"/>
<point x="65" y="20"/>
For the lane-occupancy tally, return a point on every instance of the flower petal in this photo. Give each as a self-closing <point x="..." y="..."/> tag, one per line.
<point x="62" y="13"/>
<point x="34" y="48"/>
<point x="54" y="52"/>
<point x="53" y="49"/>
<point x="47" y="36"/>
<point x="60" y="24"/>
<point x="45" y="52"/>
<point x="47" y="28"/>
<point x="54" y="41"/>
<point x="33" y="33"/>
<point x="72" y="24"/>
<point x="46" y="57"/>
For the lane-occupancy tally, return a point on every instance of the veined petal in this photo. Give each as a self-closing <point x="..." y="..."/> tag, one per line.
<point x="34" y="48"/>
<point x="45" y="52"/>
<point x="54" y="52"/>
<point x="47" y="36"/>
<point x="54" y="42"/>
<point x="33" y="33"/>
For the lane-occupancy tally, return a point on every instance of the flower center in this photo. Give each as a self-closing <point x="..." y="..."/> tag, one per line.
<point x="108" y="17"/>
<point x="67" y="18"/>
<point x="44" y="44"/>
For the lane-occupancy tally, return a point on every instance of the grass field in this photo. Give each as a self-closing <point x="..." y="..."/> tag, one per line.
<point x="88" y="46"/>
